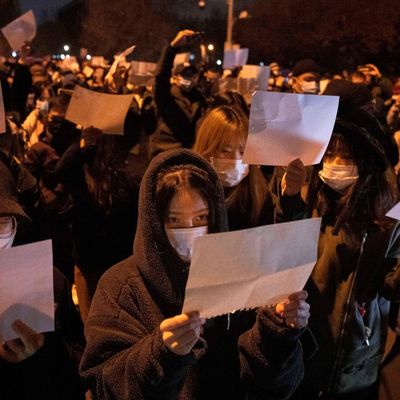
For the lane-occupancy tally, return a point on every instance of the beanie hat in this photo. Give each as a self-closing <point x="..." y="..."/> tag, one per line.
<point x="307" y="65"/>
<point x="185" y="69"/>
<point x="352" y="95"/>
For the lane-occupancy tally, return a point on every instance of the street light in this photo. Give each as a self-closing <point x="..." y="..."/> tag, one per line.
<point x="210" y="47"/>
<point x="229" y="26"/>
<point x="230" y="21"/>
<point x="66" y="47"/>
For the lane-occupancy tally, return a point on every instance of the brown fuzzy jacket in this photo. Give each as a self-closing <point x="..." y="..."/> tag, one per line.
<point x="255" y="357"/>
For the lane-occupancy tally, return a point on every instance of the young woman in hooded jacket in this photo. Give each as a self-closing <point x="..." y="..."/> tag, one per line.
<point x="356" y="275"/>
<point x="140" y="346"/>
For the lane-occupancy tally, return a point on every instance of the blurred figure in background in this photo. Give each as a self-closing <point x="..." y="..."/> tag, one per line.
<point x="104" y="207"/>
<point x="179" y="105"/>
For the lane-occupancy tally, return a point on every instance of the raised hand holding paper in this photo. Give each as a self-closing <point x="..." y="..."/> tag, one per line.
<point x="286" y="126"/>
<point x="394" y="212"/>
<point x="250" y="268"/>
<point x="26" y="288"/>
<point x="21" y="30"/>
<point x="2" y="113"/>
<point x="106" y="112"/>
<point x="235" y="58"/>
<point x="117" y="60"/>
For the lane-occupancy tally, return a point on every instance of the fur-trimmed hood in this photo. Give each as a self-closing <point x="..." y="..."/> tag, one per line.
<point x="158" y="263"/>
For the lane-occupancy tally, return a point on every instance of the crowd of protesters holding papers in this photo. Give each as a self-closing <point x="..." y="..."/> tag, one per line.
<point x="127" y="172"/>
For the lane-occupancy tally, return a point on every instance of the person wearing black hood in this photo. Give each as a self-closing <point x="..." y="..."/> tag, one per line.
<point x="358" y="104"/>
<point x="103" y="222"/>
<point x="357" y="273"/>
<point x="180" y="105"/>
<point x="140" y="346"/>
<point x="38" y="365"/>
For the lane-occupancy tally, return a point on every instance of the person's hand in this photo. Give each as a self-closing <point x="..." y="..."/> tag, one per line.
<point x="396" y="106"/>
<point x="294" y="178"/>
<point x="295" y="311"/>
<point x="24" y="52"/>
<point x="185" y="38"/>
<point x="397" y="103"/>
<point x="180" y="333"/>
<point x="18" y="350"/>
<point x="90" y="136"/>
<point x="374" y="70"/>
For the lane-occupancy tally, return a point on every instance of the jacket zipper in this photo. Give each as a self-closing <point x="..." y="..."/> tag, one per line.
<point x="349" y="300"/>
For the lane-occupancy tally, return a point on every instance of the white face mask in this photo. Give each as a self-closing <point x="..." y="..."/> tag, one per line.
<point x="339" y="177"/>
<point x="8" y="229"/>
<point x="182" y="240"/>
<point x="230" y="172"/>
<point x="42" y="105"/>
<point x="185" y="84"/>
<point x="310" y="87"/>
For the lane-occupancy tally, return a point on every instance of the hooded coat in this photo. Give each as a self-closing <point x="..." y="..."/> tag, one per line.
<point x="247" y="354"/>
<point x="354" y="280"/>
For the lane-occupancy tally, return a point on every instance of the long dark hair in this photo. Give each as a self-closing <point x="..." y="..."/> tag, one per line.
<point x="106" y="175"/>
<point x="179" y="178"/>
<point x="375" y="191"/>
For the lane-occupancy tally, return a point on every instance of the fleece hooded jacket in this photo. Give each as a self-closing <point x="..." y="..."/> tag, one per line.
<point x="254" y="356"/>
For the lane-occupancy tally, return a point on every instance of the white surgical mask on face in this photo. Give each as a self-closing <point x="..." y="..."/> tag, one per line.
<point x="8" y="229"/>
<point x="42" y="105"/>
<point x="310" y="87"/>
<point x="231" y="172"/>
<point x="339" y="177"/>
<point x="182" y="240"/>
<point x="185" y="83"/>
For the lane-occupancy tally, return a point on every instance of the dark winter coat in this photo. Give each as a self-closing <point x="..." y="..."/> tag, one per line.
<point x="125" y="358"/>
<point x="101" y="237"/>
<point x="350" y="290"/>
<point x="178" y="112"/>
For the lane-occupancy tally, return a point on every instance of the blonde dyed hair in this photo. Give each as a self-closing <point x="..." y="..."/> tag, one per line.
<point x="223" y="126"/>
<point x="227" y="126"/>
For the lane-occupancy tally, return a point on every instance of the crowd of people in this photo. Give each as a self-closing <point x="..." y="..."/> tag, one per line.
<point x="122" y="212"/>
